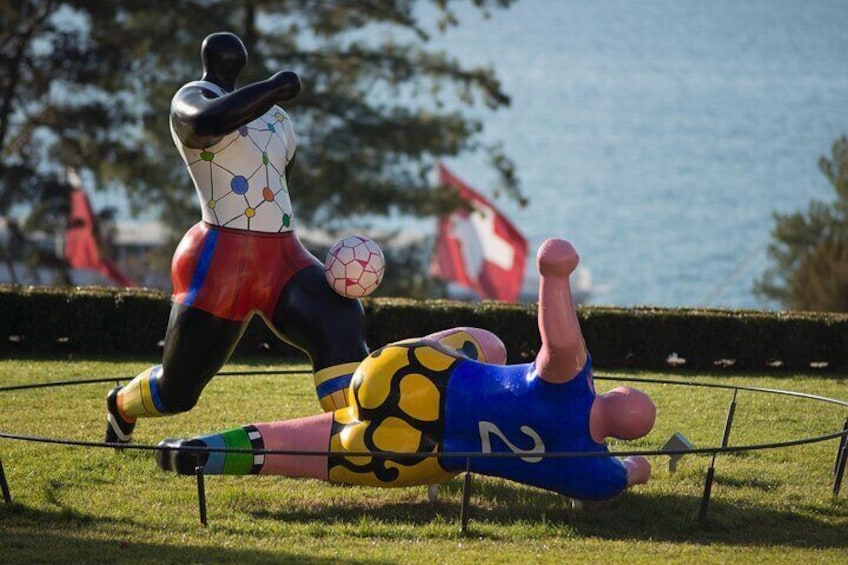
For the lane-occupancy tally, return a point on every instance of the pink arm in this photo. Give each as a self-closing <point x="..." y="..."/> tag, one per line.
<point x="563" y="352"/>
<point x="638" y="470"/>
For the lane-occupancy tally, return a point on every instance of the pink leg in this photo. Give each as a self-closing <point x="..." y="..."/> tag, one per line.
<point x="563" y="352"/>
<point x="310" y="434"/>
<point x="490" y="346"/>
<point x="301" y="434"/>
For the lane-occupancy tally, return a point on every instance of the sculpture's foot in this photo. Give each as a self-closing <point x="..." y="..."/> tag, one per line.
<point x="173" y="457"/>
<point x="118" y="430"/>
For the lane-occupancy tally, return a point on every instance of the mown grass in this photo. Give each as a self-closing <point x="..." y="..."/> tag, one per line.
<point x="75" y="504"/>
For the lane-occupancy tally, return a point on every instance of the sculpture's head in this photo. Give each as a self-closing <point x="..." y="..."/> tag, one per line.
<point x="623" y="413"/>
<point x="223" y="56"/>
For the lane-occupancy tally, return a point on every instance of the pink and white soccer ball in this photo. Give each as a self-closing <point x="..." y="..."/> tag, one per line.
<point x="355" y="266"/>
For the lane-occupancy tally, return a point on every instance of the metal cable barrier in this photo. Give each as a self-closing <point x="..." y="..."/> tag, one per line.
<point x="837" y="473"/>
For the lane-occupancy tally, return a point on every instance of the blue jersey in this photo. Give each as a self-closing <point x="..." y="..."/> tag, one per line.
<point x="502" y="409"/>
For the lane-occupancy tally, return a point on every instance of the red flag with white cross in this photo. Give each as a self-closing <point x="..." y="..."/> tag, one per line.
<point x="477" y="247"/>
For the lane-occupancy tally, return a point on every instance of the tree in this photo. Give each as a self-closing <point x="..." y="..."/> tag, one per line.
<point x="63" y="103"/>
<point x="377" y="108"/>
<point x="810" y="250"/>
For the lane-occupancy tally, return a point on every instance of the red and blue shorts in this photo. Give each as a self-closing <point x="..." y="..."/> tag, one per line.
<point x="234" y="273"/>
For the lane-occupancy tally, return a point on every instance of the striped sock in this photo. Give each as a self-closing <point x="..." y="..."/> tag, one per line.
<point x="331" y="384"/>
<point x="220" y="463"/>
<point x="140" y="398"/>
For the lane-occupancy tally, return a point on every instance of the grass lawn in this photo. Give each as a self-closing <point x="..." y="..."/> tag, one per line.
<point x="75" y="504"/>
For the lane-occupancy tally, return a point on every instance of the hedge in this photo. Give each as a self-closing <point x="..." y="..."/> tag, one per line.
<point x="133" y="321"/>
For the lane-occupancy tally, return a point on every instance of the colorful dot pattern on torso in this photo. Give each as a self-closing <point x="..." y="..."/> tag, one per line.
<point x="241" y="180"/>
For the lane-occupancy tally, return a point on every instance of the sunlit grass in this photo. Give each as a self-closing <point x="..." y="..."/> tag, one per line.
<point x="97" y="505"/>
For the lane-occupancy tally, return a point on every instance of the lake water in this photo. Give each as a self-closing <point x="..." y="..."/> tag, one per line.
<point x="661" y="136"/>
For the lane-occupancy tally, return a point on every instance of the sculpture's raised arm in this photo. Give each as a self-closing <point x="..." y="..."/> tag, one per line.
<point x="204" y="111"/>
<point x="563" y="352"/>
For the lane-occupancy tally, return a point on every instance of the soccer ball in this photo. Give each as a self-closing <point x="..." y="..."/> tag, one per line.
<point x="355" y="266"/>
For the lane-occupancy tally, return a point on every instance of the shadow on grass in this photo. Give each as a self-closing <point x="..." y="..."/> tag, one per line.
<point x="632" y="516"/>
<point x="35" y="536"/>
<point x="498" y="511"/>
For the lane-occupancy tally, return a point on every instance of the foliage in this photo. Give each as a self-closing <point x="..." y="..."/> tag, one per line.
<point x="62" y="104"/>
<point x="87" y="84"/>
<point x="95" y="505"/>
<point x="810" y="251"/>
<point x="132" y="321"/>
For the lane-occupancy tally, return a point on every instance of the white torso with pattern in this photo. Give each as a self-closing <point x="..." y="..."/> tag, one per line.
<point x="241" y="180"/>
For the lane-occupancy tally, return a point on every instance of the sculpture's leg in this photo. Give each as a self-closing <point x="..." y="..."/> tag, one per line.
<point x="475" y="343"/>
<point x="238" y="447"/>
<point x="328" y="327"/>
<point x="197" y="344"/>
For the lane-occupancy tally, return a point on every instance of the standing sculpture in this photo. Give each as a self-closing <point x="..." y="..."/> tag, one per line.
<point x="450" y="392"/>
<point x="243" y="257"/>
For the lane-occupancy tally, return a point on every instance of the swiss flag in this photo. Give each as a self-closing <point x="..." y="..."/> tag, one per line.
<point x="478" y="247"/>
<point x="82" y="250"/>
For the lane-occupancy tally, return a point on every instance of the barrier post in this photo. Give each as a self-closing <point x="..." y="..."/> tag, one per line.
<point x="7" y="496"/>
<point x="201" y="492"/>
<point x="708" y="483"/>
<point x="466" y="496"/>
<point x="839" y="465"/>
